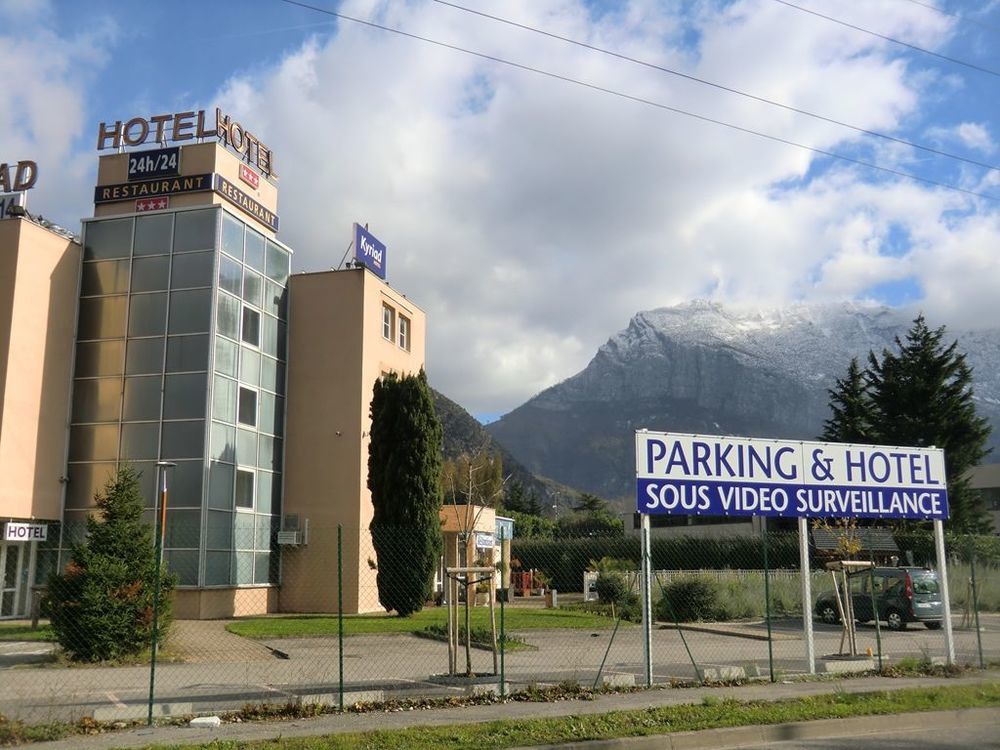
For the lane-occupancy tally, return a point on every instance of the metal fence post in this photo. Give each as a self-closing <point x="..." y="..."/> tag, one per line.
<point x="807" y="613"/>
<point x="767" y="606"/>
<point x="647" y="602"/>
<point x="505" y="589"/>
<point x="340" y="615"/>
<point x="975" y="601"/>
<point x="878" y="629"/>
<point x="949" y="635"/>
<point x="159" y="529"/>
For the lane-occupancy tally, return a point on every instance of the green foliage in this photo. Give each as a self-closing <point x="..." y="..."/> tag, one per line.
<point x="922" y="396"/>
<point x="101" y="606"/>
<point x="404" y="476"/>
<point x="850" y="421"/>
<point x="515" y="500"/>
<point x="689" y="599"/>
<point x="566" y="559"/>
<point x="611" y="587"/>
<point x="527" y="526"/>
<point x="589" y="503"/>
<point x="591" y="523"/>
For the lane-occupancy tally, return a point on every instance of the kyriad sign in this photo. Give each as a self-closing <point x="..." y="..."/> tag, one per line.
<point x="369" y="251"/>
<point x="726" y="476"/>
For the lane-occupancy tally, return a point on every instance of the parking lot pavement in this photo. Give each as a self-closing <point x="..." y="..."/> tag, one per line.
<point x="380" y="666"/>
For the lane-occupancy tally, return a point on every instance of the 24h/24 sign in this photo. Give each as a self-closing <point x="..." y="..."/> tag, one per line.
<point x="725" y="476"/>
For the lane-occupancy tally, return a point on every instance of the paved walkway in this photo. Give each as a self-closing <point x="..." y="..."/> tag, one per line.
<point x="199" y="641"/>
<point x="519" y="710"/>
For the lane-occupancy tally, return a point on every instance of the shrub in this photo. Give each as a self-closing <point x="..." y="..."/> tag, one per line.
<point x="611" y="587"/>
<point x="688" y="599"/>
<point x="101" y="606"/>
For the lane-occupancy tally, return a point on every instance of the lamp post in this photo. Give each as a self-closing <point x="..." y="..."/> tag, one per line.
<point x="159" y="530"/>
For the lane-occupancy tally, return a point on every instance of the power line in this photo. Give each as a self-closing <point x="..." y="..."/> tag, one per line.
<point x="958" y="16"/>
<point x="914" y="47"/>
<point x="719" y="86"/>
<point x="641" y="100"/>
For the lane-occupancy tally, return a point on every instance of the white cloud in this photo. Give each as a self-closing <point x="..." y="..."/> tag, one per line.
<point x="972" y="135"/>
<point x="531" y="217"/>
<point x="43" y="104"/>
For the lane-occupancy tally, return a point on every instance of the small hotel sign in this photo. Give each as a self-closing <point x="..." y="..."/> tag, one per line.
<point x="25" y="532"/>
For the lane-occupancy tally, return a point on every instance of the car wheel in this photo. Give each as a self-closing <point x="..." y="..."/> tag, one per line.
<point x="895" y="620"/>
<point x="933" y="625"/>
<point x="828" y="614"/>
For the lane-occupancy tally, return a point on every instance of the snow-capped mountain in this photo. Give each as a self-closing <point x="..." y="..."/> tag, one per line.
<point x="701" y="367"/>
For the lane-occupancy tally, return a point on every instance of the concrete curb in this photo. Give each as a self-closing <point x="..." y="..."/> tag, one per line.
<point x="820" y="729"/>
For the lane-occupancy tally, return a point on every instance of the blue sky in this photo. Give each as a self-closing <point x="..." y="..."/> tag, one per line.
<point x="531" y="217"/>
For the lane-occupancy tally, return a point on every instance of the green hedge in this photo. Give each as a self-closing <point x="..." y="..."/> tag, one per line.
<point x="565" y="560"/>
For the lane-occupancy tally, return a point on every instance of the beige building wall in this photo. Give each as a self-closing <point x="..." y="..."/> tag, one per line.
<point x="39" y="278"/>
<point x="336" y="351"/>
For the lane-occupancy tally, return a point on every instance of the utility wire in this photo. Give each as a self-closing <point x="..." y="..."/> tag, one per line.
<point x="641" y="100"/>
<point x="720" y="87"/>
<point x="889" y="39"/>
<point x="958" y="16"/>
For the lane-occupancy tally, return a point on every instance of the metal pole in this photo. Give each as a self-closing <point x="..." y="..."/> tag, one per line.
<point x="767" y="608"/>
<point x="647" y="601"/>
<point x="875" y="613"/>
<point x="159" y="531"/>
<point x="807" y="612"/>
<point x="504" y="593"/>
<point x="942" y="564"/>
<point x="503" y="646"/>
<point x="340" y="615"/>
<point x="975" y="606"/>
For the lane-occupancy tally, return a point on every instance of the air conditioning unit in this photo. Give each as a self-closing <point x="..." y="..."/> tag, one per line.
<point x="293" y="530"/>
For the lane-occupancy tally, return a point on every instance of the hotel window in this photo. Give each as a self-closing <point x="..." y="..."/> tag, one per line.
<point x="388" y="322"/>
<point x="247" y="408"/>
<point x="251" y="327"/>
<point x="404" y="332"/>
<point x="244" y="488"/>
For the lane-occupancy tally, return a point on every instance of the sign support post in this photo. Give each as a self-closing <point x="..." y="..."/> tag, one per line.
<point x="807" y="615"/>
<point x="949" y="636"/>
<point x="647" y="602"/>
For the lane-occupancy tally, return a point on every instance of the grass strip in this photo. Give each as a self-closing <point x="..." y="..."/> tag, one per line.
<point x="18" y="632"/>
<point x="300" y="626"/>
<point x="711" y="713"/>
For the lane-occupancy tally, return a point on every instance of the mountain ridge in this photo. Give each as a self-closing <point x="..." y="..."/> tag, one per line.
<point x="703" y="367"/>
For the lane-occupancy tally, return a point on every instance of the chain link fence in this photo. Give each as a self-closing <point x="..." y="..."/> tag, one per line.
<point x="723" y="609"/>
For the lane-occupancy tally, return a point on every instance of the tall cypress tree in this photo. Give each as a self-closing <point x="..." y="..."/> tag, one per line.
<point x="922" y="396"/>
<point x="850" y="407"/>
<point x="404" y="470"/>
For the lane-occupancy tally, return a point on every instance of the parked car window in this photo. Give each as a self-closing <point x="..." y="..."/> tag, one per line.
<point x="925" y="584"/>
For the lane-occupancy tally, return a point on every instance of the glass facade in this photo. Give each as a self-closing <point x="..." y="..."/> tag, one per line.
<point x="181" y="357"/>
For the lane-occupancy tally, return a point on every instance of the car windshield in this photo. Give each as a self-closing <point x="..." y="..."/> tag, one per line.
<point x="925" y="584"/>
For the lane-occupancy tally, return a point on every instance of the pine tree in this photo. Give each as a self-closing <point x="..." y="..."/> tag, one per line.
<point x="850" y="407"/>
<point x="102" y="604"/>
<point x="515" y="501"/>
<point x="589" y="503"/>
<point x="921" y="397"/>
<point x="404" y="476"/>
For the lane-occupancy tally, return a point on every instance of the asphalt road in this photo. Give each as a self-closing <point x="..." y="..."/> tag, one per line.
<point x="378" y="667"/>
<point x="984" y="736"/>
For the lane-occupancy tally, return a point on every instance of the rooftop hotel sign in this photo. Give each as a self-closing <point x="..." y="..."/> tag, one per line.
<point x="187" y="126"/>
<point x="726" y="476"/>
